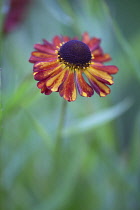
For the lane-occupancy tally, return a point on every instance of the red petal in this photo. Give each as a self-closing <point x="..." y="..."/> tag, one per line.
<point x="99" y="56"/>
<point x="44" y="48"/>
<point x="48" y="44"/>
<point x="111" y="69"/>
<point x="85" y="38"/>
<point x="39" y="56"/>
<point x="47" y="91"/>
<point x="83" y="87"/>
<point x="41" y="85"/>
<point x="97" y="52"/>
<point x="94" y="43"/>
<point x="102" y="58"/>
<point x="57" y="40"/>
<point x="68" y="89"/>
<point x="65" y="38"/>
<point x="34" y="59"/>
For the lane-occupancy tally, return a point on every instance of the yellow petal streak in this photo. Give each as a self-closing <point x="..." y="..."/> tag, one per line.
<point x="43" y="55"/>
<point x="45" y="65"/>
<point x="54" y="82"/>
<point x="40" y="75"/>
<point x="84" y="88"/>
<point x="103" y="89"/>
<point x="101" y="74"/>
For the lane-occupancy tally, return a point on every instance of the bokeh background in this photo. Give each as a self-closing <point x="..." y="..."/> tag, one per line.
<point x="98" y="163"/>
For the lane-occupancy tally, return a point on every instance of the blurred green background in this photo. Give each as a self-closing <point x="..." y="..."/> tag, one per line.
<point x="98" y="163"/>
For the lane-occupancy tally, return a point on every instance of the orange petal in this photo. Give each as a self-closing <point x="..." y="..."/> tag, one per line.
<point x="67" y="89"/>
<point x="111" y="69"/>
<point x="98" y="86"/>
<point x="85" y="38"/>
<point x="101" y="74"/>
<point x="83" y="87"/>
<point x="53" y="82"/>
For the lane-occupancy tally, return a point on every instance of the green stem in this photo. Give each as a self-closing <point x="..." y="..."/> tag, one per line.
<point x="59" y="137"/>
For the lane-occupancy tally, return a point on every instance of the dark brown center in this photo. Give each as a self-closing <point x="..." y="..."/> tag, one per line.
<point x="75" y="52"/>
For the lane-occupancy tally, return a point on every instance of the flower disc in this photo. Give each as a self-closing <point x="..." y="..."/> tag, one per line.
<point x="75" y="52"/>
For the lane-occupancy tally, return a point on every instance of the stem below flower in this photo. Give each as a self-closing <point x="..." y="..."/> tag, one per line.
<point x="59" y="138"/>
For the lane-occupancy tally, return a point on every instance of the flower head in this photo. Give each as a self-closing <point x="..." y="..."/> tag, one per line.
<point x="69" y="64"/>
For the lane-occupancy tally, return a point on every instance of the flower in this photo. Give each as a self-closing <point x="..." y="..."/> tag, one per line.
<point x="69" y="64"/>
<point x="15" y="14"/>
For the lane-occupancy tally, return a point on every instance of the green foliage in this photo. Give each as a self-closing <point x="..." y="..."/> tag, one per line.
<point x="97" y="164"/>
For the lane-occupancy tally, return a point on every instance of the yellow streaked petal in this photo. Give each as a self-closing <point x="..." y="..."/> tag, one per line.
<point x="101" y="74"/>
<point x="43" y="55"/>
<point x="98" y="86"/>
<point x="83" y="87"/>
<point x="54" y="82"/>
<point x="41" y="75"/>
<point x="68" y="88"/>
<point x="45" y="65"/>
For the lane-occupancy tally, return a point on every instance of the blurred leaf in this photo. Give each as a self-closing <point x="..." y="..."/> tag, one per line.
<point x="17" y="162"/>
<point x="41" y="131"/>
<point x="1" y="111"/>
<point x="124" y="44"/>
<point x="63" y="179"/>
<point x="56" y="11"/>
<point x="90" y="172"/>
<point x="99" y="118"/>
<point x="22" y="96"/>
<point x="135" y="145"/>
